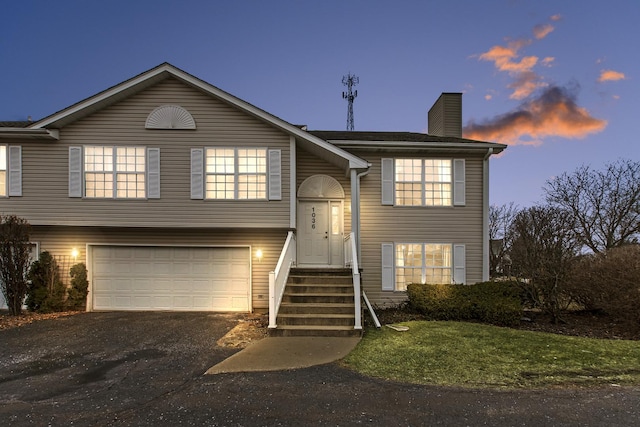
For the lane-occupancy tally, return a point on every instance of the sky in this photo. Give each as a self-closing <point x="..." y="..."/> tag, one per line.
<point x="556" y="80"/>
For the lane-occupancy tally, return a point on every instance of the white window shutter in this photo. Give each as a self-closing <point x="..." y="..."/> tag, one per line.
<point x="388" y="267"/>
<point x="459" y="197"/>
<point x="153" y="173"/>
<point x="275" y="174"/>
<point x="75" y="171"/>
<point x="15" y="171"/>
<point x="197" y="173"/>
<point x="387" y="181"/>
<point x="459" y="262"/>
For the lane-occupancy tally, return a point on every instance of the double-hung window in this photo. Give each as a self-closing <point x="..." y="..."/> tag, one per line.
<point x="423" y="182"/>
<point x="236" y="173"/>
<point x="3" y="170"/>
<point x="114" y="172"/>
<point x="422" y="263"/>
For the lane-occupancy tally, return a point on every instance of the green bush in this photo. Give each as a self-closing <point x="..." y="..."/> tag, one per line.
<point x="79" y="287"/>
<point x="46" y="293"/>
<point x="489" y="302"/>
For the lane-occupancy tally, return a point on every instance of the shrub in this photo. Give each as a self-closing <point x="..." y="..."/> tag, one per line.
<point x="490" y="302"/>
<point x="79" y="287"/>
<point x="14" y="261"/>
<point x="609" y="282"/>
<point x="46" y="292"/>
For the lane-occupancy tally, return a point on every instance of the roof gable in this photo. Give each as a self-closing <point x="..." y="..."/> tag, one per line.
<point x="163" y="71"/>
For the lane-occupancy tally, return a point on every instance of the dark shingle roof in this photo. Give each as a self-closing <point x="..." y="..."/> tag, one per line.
<point x="15" y="124"/>
<point x="384" y="136"/>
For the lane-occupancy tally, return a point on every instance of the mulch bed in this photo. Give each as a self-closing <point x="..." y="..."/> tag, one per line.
<point x="7" y="321"/>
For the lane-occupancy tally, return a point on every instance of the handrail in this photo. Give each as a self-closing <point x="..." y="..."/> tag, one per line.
<point x="351" y="259"/>
<point x="278" y="277"/>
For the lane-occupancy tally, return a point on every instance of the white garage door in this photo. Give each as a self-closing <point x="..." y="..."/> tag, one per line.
<point x="170" y="278"/>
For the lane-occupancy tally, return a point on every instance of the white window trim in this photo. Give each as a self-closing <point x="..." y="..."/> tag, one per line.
<point x="388" y="261"/>
<point x="77" y="182"/>
<point x="457" y="182"/>
<point x="273" y="159"/>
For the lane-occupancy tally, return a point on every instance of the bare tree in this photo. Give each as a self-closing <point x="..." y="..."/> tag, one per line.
<point x="543" y="250"/>
<point x="500" y="237"/>
<point x="14" y="261"/>
<point x="605" y="204"/>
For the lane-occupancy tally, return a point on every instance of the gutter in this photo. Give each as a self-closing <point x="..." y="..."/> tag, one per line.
<point x="485" y="215"/>
<point x="27" y="133"/>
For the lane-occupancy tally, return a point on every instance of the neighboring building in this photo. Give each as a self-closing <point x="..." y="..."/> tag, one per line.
<point x="180" y="196"/>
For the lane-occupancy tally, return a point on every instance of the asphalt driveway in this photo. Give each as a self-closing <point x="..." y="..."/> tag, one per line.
<point x="100" y="369"/>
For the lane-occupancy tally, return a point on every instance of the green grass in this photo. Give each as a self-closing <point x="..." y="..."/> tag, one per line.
<point x="479" y="356"/>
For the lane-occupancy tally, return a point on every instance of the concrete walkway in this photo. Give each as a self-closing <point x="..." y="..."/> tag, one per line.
<point x="284" y="353"/>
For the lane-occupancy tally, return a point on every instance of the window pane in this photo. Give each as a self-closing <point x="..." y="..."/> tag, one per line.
<point x="252" y="160"/>
<point x="98" y="159"/>
<point x="3" y="158"/>
<point x="408" y="265"/>
<point x="130" y="159"/>
<point x="130" y="185"/>
<point x="220" y="160"/>
<point x="252" y="187"/>
<point x="335" y="220"/>
<point x="3" y="183"/>
<point x="437" y="194"/>
<point x="98" y="185"/>
<point x="220" y="187"/>
<point x="408" y="170"/>
<point x="408" y="194"/>
<point x="437" y="170"/>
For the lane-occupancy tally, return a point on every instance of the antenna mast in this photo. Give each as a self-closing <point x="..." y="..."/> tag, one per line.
<point x="350" y="80"/>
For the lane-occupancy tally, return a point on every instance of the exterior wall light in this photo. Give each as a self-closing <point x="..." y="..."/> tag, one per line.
<point x="74" y="254"/>
<point x="259" y="255"/>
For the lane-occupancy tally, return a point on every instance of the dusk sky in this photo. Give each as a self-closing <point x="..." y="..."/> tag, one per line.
<point x="557" y="80"/>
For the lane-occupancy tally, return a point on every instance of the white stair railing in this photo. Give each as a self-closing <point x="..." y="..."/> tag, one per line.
<point x="278" y="277"/>
<point x="351" y="260"/>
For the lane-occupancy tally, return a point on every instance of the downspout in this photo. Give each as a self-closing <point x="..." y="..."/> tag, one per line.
<point x="355" y="208"/>
<point x="485" y="215"/>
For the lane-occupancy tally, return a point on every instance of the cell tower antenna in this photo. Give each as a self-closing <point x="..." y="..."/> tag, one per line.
<point x="350" y="80"/>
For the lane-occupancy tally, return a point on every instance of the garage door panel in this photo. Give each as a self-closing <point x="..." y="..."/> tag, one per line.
<point x="170" y="278"/>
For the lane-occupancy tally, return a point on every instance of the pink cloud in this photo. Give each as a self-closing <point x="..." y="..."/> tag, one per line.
<point x="552" y="114"/>
<point x="610" y="76"/>
<point x="542" y="31"/>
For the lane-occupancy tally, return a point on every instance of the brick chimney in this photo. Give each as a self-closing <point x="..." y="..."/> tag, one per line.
<point x="445" y="117"/>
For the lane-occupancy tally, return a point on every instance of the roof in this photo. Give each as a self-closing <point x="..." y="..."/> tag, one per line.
<point x="15" y="124"/>
<point x="403" y="141"/>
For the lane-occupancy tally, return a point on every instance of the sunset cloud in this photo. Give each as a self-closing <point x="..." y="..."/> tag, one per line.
<point x="542" y="31"/>
<point x="610" y="76"/>
<point x="509" y="59"/>
<point x="552" y="114"/>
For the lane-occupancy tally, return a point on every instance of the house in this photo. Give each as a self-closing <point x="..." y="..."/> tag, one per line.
<point x="180" y="196"/>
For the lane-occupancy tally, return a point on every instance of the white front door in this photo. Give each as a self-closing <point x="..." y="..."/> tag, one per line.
<point x="319" y="233"/>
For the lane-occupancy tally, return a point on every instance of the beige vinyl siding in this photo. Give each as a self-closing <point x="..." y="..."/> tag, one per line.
<point x="45" y="170"/>
<point x="396" y="224"/>
<point x="59" y="241"/>
<point x="308" y="165"/>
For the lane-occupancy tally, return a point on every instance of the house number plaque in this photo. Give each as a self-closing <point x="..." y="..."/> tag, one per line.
<point x="313" y="217"/>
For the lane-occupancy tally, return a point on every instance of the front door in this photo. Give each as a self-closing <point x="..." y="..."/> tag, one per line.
<point x="319" y="233"/>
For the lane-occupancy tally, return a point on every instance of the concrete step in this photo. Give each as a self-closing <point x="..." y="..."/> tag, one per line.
<point x="314" y="288"/>
<point x="322" y="308"/>
<point x="317" y="298"/>
<point x="315" y="331"/>
<point x="337" y="280"/>
<point x="315" y="319"/>
<point x="320" y="271"/>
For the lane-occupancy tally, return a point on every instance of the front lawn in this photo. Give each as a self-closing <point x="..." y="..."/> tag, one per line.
<point x="476" y="355"/>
